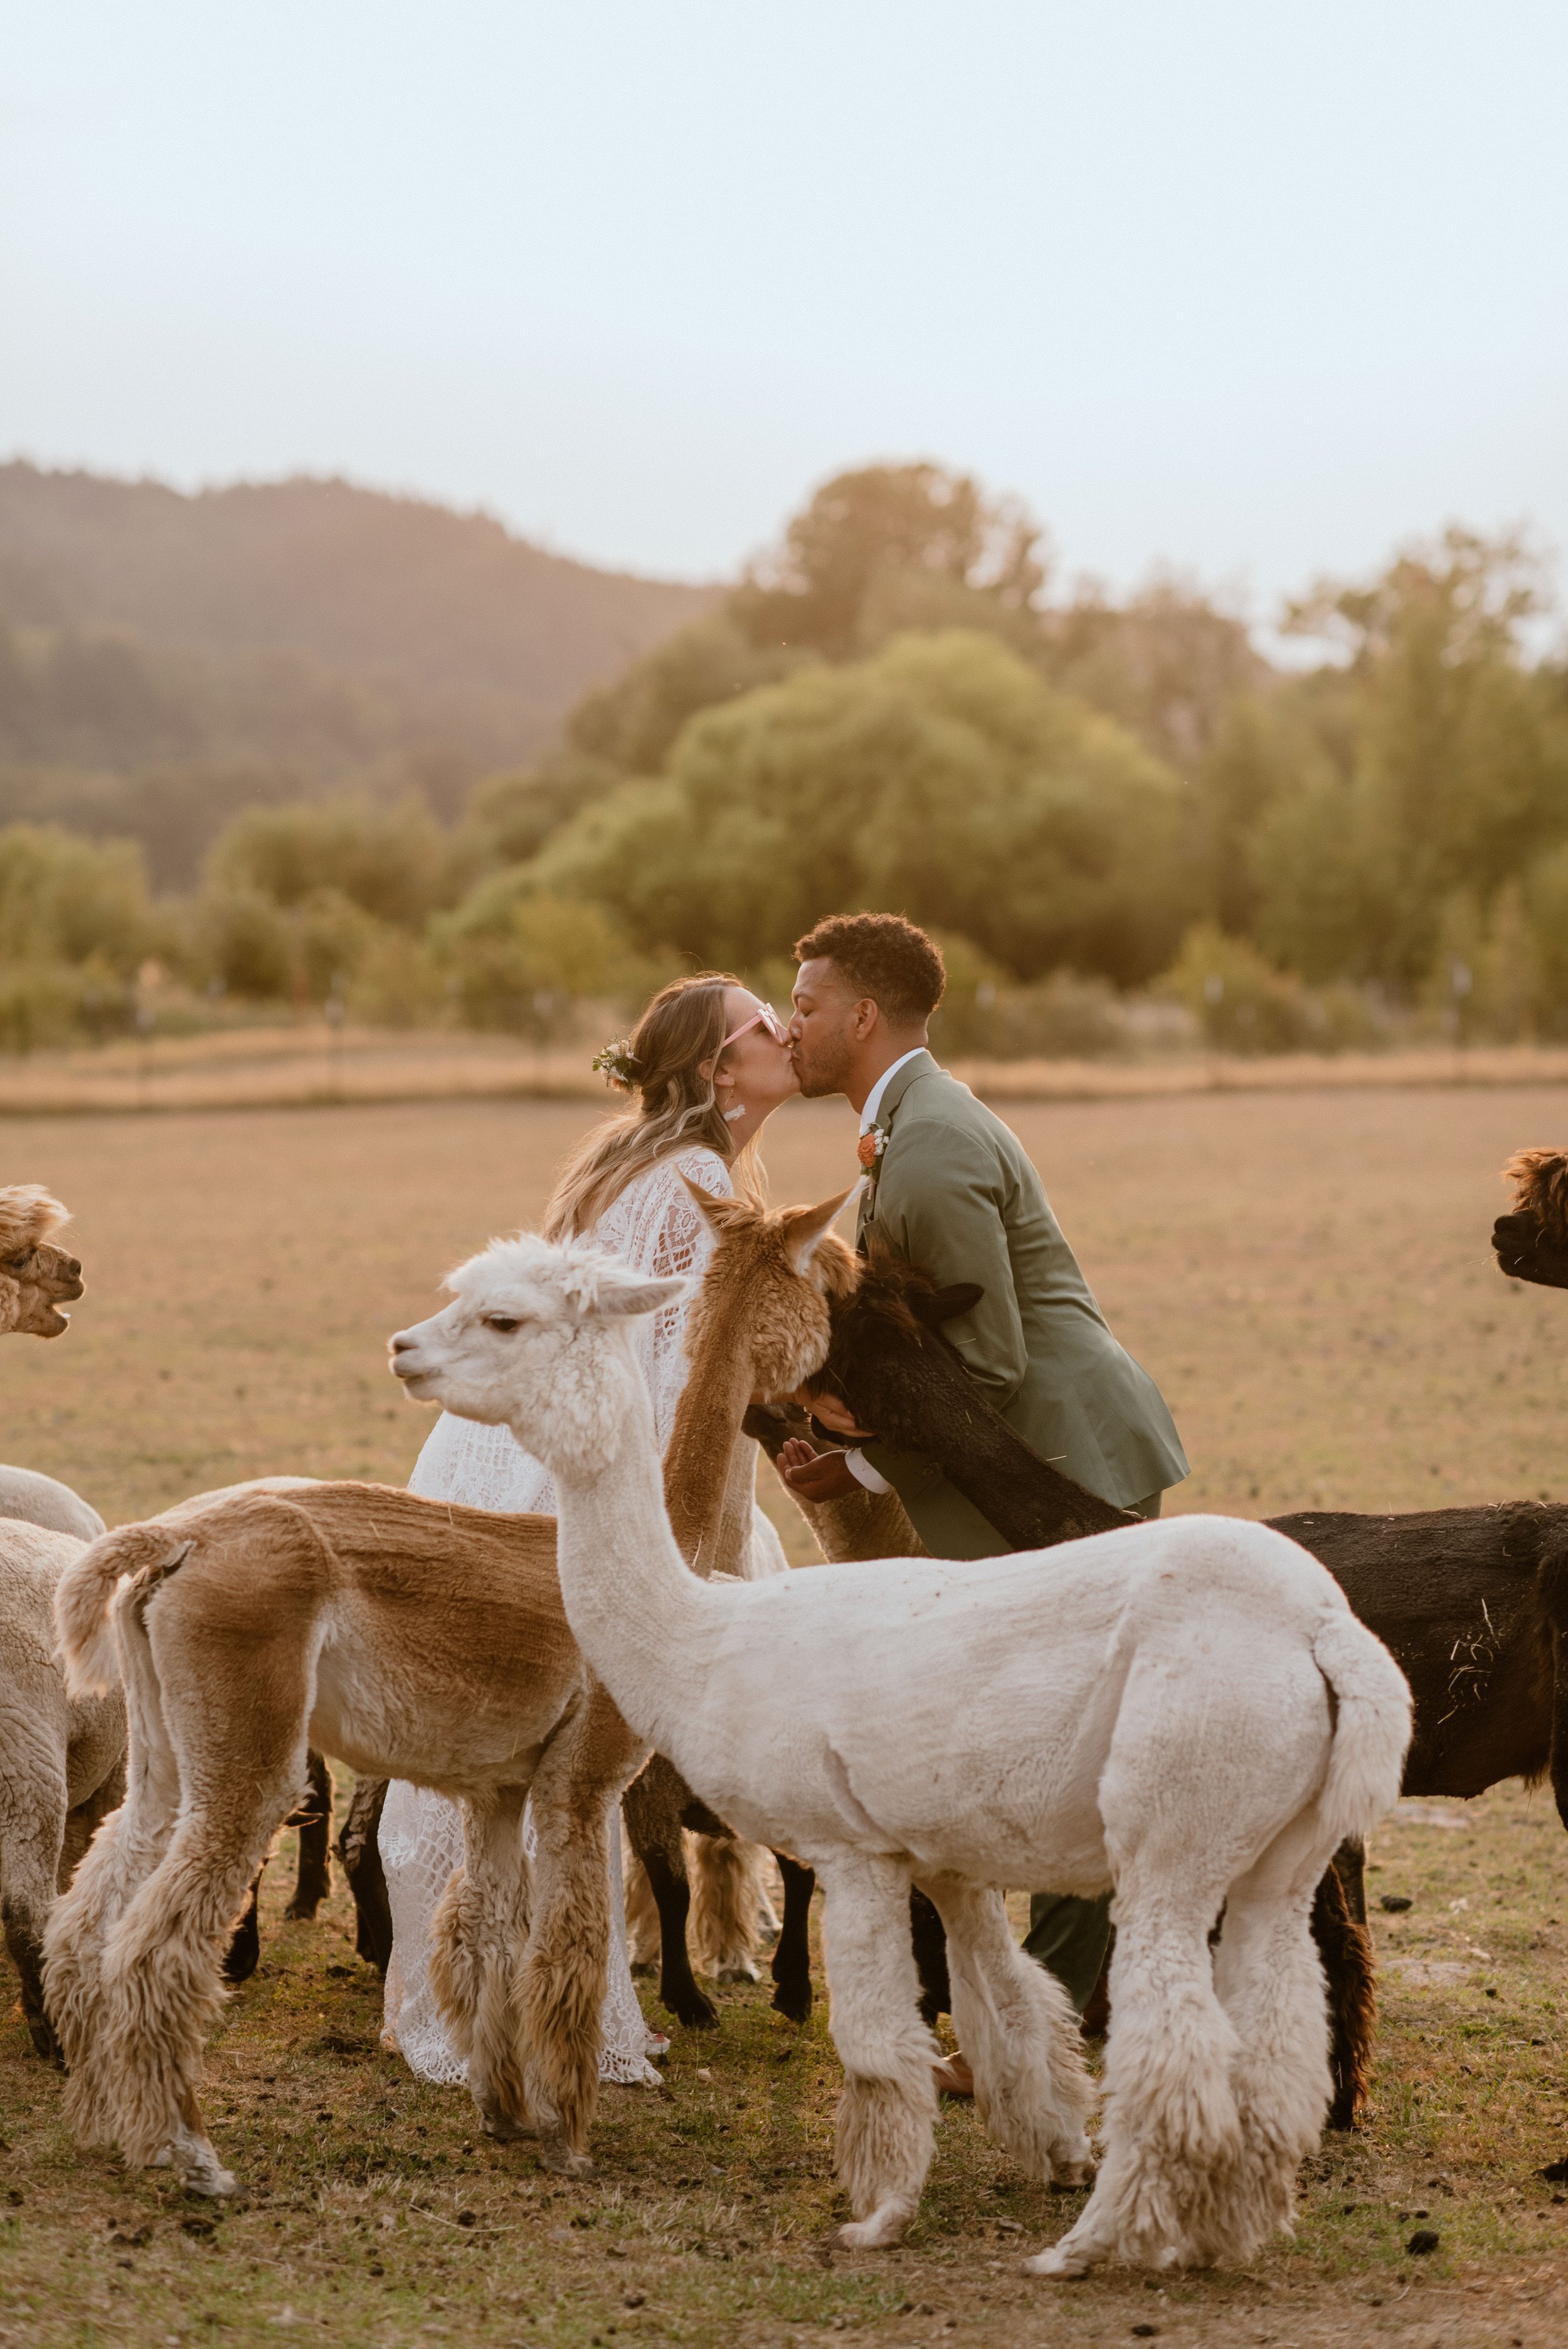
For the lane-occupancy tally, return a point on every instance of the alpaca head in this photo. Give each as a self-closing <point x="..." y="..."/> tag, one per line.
<point x="536" y="1338"/>
<point x="1540" y="1180"/>
<point x="767" y="1287"/>
<point x="35" y="1277"/>
<point x="882" y="1331"/>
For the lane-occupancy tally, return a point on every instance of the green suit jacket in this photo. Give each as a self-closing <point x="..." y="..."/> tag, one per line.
<point x="957" y="1193"/>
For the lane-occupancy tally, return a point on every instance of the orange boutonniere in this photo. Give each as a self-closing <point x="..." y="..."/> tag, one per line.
<point x="869" y="1150"/>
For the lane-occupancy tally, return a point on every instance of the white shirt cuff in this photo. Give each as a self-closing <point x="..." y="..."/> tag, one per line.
<point x="861" y="1469"/>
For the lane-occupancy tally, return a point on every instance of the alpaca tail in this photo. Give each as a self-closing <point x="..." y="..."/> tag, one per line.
<point x="1372" y="1725"/>
<point x="85" y="1601"/>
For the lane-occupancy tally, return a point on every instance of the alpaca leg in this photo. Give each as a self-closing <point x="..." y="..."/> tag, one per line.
<point x="652" y="1811"/>
<point x="161" y="1983"/>
<point x="566" y="1965"/>
<point x="930" y="1944"/>
<point x="477" y="1939"/>
<point x="887" y="2109"/>
<point x="642" y="1913"/>
<point x="244" y="1954"/>
<point x="792" y="1957"/>
<point x="1173" y="2133"/>
<point x="1345" y="1948"/>
<point x="313" y="1882"/>
<point x="31" y="1830"/>
<point x="1018" y="2027"/>
<point x="1268" y="1977"/>
<point x="128" y="1847"/>
<point x="359" y="1849"/>
<point x="727" y="1901"/>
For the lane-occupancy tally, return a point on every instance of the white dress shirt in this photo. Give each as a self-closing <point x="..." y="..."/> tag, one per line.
<point x="858" y="1466"/>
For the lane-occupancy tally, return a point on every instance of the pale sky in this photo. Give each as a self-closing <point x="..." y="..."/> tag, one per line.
<point x="1254" y="290"/>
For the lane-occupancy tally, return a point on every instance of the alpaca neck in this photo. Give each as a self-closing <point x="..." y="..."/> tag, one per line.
<point x="1031" y="1504"/>
<point x="644" y="1622"/>
<point x="697" y="1482"/>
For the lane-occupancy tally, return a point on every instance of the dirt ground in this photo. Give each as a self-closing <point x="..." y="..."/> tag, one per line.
<point x="1307" y="1277"/>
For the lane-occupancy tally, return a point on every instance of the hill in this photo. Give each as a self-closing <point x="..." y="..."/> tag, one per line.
<point x="298" y="632"/>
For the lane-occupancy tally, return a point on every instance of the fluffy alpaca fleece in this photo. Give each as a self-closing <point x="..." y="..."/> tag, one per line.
<point x="62" y="1759"/>
<point x="416" y="1638"/>
<point x="35" y="1277"/>
<point x="1184" y="1710"/>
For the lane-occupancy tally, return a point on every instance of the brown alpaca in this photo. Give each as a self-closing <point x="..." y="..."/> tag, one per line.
<point x="35" y="1277"/>
<point x="418" y="1639"/>
<point x="1533" y="1243"/>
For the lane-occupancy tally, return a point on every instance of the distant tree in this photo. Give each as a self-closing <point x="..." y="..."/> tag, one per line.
<point x="943" y="778"/>
<point x="66" y="900"/>
<point x="391" y="862"/>
<point x="1168" y="663"/>
<point x="864" y="532"/>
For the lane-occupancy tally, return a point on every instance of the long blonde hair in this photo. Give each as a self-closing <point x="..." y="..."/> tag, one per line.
<point x="676" y="1107"/>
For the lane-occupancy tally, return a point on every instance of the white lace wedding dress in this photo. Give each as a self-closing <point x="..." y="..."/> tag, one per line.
<point x="654" y="1226"/>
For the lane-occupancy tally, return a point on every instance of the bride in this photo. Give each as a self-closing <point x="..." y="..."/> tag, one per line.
<point x="705" y="1065"/>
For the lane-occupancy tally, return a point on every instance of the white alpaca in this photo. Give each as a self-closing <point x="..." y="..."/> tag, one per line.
<point x="1187" y="1710"/>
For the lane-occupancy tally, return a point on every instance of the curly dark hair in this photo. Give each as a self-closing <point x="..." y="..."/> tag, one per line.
<point x="883" y="956"/>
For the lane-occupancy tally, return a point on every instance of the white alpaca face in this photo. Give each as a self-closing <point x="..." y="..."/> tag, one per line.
<point x="524" y="1341"/>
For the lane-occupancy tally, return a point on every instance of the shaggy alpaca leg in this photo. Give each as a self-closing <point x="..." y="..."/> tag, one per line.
<point x="887" y="2110"/>
<point x="791" y="1967"/>
<point x="565" y="1967"/>
<point x="652" y="1811"/>
<point x="1269" y="1979"/>
<point x="642" y="1912"/>
<point x="477" y="1937"/>
<point x="29" y="1869"/>
<point x="1017" y="2025"/>
<point x="123" y="1854"/>
<point x="1173" y="2133"/>
<point x="727" y="1901"/>
<point x="162" y="1986"/>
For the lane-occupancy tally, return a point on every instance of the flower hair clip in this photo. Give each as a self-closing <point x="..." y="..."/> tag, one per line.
<point x="617" y="1064"/>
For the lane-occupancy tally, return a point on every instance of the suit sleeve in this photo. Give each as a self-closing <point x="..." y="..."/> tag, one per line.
<point x="948" y="1220"/>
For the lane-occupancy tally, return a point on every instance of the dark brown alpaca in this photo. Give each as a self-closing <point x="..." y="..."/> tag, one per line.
<point x="1533" y="1243"/>
<point x="1472" y="1602"/>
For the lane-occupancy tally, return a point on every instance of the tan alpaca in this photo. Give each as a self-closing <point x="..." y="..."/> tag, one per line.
<point x="418" y="1639"/>
<point x="35" y="1277"/>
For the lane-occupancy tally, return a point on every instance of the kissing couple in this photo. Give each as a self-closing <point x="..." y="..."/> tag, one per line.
<point x="948" y="1185"/>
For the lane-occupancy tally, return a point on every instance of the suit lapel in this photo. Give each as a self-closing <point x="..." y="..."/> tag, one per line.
<point x="921" y="1064"/>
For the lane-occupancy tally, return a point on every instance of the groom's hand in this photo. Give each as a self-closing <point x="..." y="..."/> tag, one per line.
<point x="815" y="1475"/>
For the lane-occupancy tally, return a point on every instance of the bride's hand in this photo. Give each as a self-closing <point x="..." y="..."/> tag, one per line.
<point x="834" y="1415"/>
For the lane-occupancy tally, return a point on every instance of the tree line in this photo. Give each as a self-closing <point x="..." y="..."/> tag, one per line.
<point x="1090" y="801"/>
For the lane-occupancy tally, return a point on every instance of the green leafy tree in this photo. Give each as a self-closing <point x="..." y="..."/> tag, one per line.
<point x="391" y="862"/>
<point x="67" y="900"/>
<point x="942" y="776"/>
<point x="863" y="533"/>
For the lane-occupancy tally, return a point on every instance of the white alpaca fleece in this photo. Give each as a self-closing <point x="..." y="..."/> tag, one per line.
<point x="1186" y="1711"/>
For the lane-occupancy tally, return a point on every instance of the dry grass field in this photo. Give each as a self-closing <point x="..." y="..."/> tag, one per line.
<point x="1308" y="1275"/>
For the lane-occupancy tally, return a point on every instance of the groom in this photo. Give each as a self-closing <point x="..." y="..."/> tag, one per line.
<point x="951" y="1187"/>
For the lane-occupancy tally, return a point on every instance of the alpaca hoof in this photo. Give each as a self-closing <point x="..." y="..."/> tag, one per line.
<point x="503" y="2129"/>
<point x="793" y="2002"/>
<point x="698" y="2012"/>
<point x="1060" y="2262"/>
<point x="207" y="2176"/>
<point x="1070" y="2176"/>
<point x="744" y="1971"/>
<point x="45" y="2044"/>
<point x="884" y="2227"/>
<point x="556" y="2155"/>
<point x="301" y="1912"/>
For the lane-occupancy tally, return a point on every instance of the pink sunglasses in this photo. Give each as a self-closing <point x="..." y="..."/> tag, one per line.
<point x="766" y="1018"/>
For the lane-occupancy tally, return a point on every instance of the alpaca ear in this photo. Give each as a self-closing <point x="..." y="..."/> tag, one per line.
<point x="619" y="1299"/>
<point x="941" y="1305"/>
<point x="803" y="1227"/>
<point x="720" y="1212"/>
